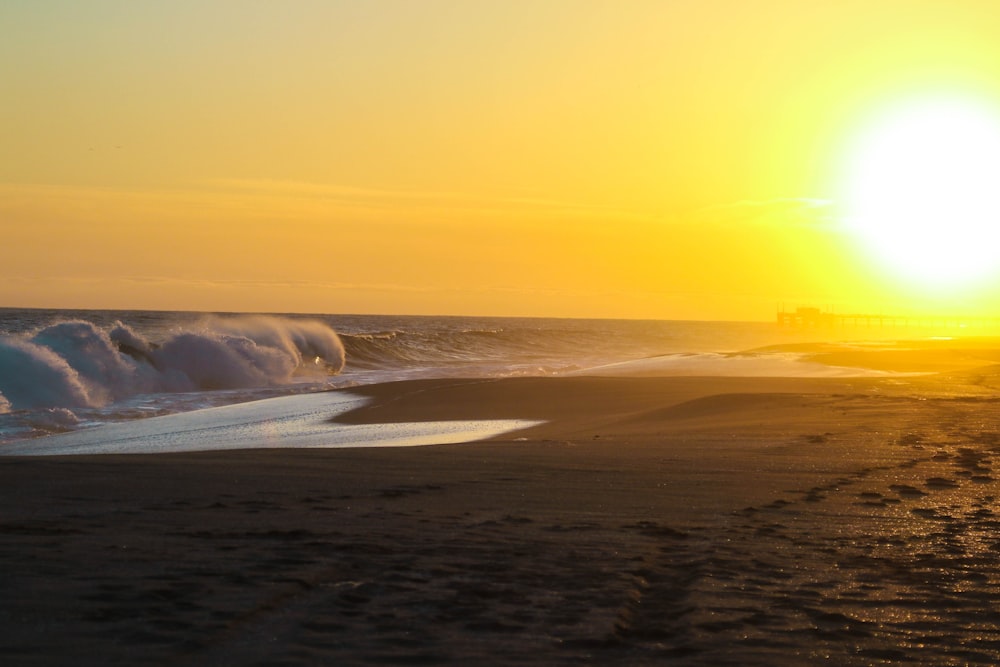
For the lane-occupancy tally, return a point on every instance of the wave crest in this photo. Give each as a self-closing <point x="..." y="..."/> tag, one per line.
<point x="78" y="364"/>
<point x="33" y="376"/>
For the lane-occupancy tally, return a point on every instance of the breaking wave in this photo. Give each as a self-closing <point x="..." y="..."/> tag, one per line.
<point x="77" y="364"/>
<point x="65" y="370"/>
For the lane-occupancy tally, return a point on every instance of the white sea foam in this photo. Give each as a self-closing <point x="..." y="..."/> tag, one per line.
<point x="302" y="421"/>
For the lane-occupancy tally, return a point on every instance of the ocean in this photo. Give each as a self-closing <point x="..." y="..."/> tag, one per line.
<point x="66" y="371"/>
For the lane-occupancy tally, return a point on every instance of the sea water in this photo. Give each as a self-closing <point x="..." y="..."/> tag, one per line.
<point x="64" y="371"/>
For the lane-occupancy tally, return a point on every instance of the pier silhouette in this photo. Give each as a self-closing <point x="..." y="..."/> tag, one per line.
<point x="816" y="318"/>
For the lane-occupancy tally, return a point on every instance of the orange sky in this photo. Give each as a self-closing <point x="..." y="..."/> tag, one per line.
<point x="555" y="158"/>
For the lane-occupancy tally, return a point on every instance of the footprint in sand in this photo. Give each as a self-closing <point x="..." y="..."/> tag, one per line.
<point x="815" y="495"/>
<point x="907" y="491"/>
<point x="940" y="483"/>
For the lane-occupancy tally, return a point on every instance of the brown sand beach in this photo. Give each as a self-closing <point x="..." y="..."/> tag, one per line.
<point x="691" y="521"/>
<point x="480" y="332"/>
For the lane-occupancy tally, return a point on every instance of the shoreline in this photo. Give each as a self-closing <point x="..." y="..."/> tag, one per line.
<point x="752" y="521"/>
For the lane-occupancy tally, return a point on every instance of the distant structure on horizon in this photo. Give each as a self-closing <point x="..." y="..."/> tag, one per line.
<point x="814" y="318"/>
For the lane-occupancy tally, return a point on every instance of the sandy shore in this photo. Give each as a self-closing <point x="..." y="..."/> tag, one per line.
<point x="693" y="521"/>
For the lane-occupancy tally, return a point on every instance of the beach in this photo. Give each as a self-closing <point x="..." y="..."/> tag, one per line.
<point x="646" y="520"/>
<point x="487" y="334"/>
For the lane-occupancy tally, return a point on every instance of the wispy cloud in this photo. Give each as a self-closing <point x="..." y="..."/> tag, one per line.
<point x="270" y="200"/>
<point x="459" y="201"/>
<point x="779" y="211"/>
<point x="327" y="190"/>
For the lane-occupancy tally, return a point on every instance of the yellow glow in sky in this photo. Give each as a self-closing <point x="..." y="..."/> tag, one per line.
<point x="922" y="191"/>
<point x="556" y="158"/>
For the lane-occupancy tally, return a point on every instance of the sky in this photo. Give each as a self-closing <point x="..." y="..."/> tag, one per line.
<point x="662" y="159"/>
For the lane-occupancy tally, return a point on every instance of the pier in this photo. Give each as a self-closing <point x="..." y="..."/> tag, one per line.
<point x="816" y="318"/>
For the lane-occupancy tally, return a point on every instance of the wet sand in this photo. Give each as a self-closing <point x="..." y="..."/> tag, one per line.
<point x="691" y="521"/>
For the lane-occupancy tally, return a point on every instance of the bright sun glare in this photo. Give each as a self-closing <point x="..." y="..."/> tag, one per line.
<point x="922" y="191"/>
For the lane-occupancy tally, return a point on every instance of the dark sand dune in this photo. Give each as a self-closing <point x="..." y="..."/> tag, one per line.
<point x="685" y="521"/>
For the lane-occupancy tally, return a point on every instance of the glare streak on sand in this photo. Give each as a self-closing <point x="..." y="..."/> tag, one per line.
<point x="301" y="421"/>
<point x="775" y="364"/>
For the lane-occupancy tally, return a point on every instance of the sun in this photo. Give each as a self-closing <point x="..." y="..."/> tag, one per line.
<point x="922" y="191"/>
